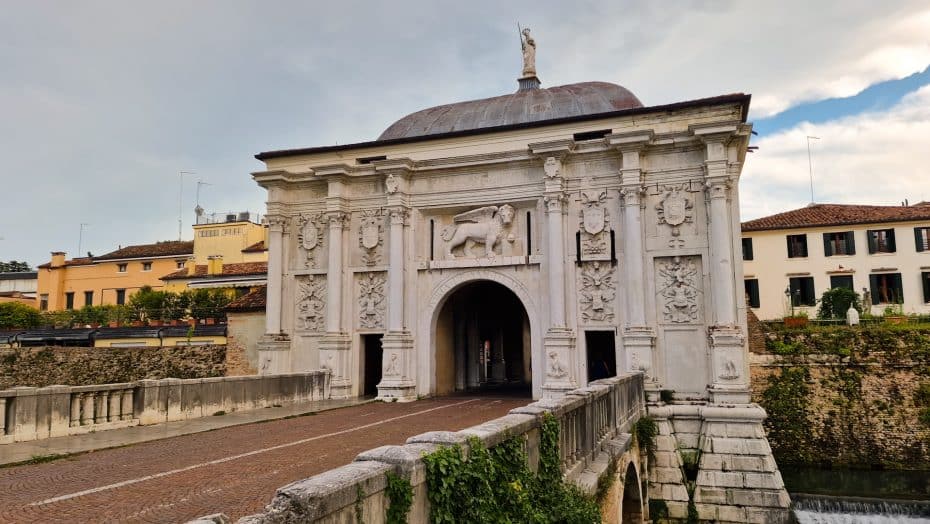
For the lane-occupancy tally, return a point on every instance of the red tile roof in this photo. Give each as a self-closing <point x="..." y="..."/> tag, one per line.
<point x="823" y="215"/>
<point x="80" y="261"/>
<point x="257" y="247"/>
<point x="252" y="301"/>
<point x="240" y="269"/>
<point x="158" y="249"/>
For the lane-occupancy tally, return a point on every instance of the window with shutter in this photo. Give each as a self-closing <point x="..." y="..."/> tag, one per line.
<point x="841" y="281"/>
<point x="881" y="241"/>
<point x="922" y="238"/>
<point x="747" y="249"/>
<point x="839" y="244"/>
<point x="886" y="288"/>
<point x="797" y="246"/>
<point x="925" y="279"/>
<point x="752" y="292"/>
<point x="802" y="291"/>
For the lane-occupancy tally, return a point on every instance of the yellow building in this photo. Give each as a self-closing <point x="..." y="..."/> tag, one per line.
<point x="109" y="278"/>
<point x="233" y="236"/>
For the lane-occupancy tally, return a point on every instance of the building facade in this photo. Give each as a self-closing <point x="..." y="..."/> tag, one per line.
<point x="107" y="279"/>
<point x="19" y="287"/>
<point x="881" y="252"/>
<point x="540" y="239"/>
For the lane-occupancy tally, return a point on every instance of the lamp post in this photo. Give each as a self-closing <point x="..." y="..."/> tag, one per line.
<point x="790" y="301"/>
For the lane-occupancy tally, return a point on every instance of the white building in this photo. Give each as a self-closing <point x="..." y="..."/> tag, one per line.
<point x="883" y="251"/>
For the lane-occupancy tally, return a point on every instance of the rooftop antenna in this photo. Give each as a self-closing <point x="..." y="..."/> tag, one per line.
<point x="810" y="164"/>
<point x="81" y="237"/>
<point x="200" y="182"/>
<point x="181" y="197"/>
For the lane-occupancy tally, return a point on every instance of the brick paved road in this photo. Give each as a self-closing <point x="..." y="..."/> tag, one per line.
<point x="234" y="470"/>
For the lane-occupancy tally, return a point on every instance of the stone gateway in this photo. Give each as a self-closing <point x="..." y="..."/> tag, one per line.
<point x="538" y="240"/>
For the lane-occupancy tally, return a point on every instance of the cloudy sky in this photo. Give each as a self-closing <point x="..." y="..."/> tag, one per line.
<point x="103" y="103"/>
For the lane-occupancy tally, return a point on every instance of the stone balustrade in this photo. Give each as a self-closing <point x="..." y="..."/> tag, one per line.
<point x="28" y="413"/>
<point x="593" y="421"/>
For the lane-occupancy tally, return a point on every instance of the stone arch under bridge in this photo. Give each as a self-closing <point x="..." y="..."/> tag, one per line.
<point x="446" y="289"/>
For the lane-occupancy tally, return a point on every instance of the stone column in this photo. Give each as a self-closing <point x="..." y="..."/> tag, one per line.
<point x="274" y="347"/>
<point x="334" y="346"/>
<point x="560" y="341"/>
<point x="397" y="343"/>
<point x="728" y="351"/>
<point x="638" y="337"/>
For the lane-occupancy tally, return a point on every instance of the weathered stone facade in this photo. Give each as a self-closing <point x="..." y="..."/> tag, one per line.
<point x="77" y="366"/>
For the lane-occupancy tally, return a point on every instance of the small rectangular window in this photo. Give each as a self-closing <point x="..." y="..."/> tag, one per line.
<point x="886" y="288"/>
<point x="797" y="246"/>
<point x="747" y="249"/>
<point x="69" y="300"/>
<point x="591" y="135"/>
<point x="120" y="297"/>
<point x="839" y="244"/>
<point x="752" y="292"/>
<point x="88" y="298"/>
<point x="43" y="302"/>
<point x="121" y="268"/>
<point x="146" y="266"/>
<point x="802" y="291"/>
<point x="922" y="238"/>
<point x="841" y="281"/>
<point x="881" y="240"/>
<point x="925" y="280"/>
<point x="370" y="159"/>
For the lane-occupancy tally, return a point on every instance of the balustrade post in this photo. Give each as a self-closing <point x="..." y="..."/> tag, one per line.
<point x="113" y="397"/>
<point x="75" y="419"/>
<point x="87" y="413"/>
<point x="2" y="416"/>
<point x="128" y="403"/>
<point x="100" y="407"/>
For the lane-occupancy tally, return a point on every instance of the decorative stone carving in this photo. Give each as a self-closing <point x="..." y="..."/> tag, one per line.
<point x="370" y="236"/>
<point x="595" y="226"/>
<point x="390" y="184"/>
<point x="276" y="222"/>
<point x="484" y="225"/>
<point x="675" y="208"/>
<point x="729" y="371"/>
<point x="371" y="300"/>
<point x="529" y="53"/>
<point x="598" y="291"/>
<point x="310" y="237"/>
<point x="399" y="215"/>
<point x="337" y="219"/>
<point x="392" y="369"/>
<point x="552" y="167"/>
<point x="556" y="369"/>
<point x="678" y="290"/>
<point x="311" y="303"/>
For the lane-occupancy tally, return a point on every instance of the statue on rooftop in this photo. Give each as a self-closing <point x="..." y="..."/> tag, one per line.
<point x="529" y="53"/>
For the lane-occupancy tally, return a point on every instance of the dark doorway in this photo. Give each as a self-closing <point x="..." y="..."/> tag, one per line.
<point x="371" y="345"/>
<point x="602" y="354"/>
<point x="632" y="501"/>
<point x="483" y="342"/>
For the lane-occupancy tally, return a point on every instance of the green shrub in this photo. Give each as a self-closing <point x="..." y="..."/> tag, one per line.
<point x="836" y="301"/>
<point x="18" y="315"/>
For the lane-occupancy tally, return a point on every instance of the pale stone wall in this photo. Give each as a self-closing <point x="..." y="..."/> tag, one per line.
<point x="44" y="366"/>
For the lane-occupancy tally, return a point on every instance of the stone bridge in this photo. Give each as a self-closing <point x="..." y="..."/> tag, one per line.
<point x="595" y="432"/>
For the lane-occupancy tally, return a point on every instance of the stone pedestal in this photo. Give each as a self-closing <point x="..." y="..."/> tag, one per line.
<point x="334" y="357"/>
<point x="639" y="345"/>
<point x="396" y="383"/>
<point x="274" y="354"/>
<point x="731" y="380"/>
<point x="559" y="346"/>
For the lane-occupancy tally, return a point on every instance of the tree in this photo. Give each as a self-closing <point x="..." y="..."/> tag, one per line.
<point x="14" y="267"/>
<point x="835" y="302"/>
<point x="18" y="315"/>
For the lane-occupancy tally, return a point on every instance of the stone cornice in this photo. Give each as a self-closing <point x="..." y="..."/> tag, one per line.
<point x="552" y="147"/>
<point x="630" y="140"/>
<point x="715" y="130"/>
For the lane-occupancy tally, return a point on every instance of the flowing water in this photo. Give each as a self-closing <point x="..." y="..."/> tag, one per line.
<point x="858" y="496"/>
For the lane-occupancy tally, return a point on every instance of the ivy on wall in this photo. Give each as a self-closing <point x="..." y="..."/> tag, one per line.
<point x="844" y="396"/>
<point x="496" y="485"/>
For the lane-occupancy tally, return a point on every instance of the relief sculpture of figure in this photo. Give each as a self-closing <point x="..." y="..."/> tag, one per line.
<point x="483" y="225"/>
<point x="529" y="53"/>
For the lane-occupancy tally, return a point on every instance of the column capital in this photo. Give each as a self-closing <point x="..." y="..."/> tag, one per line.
<point x="337" y="219"/>
<point x="276" y="223"/>
<point x="632" y="194"/>
<point x="398" y="215"/>
<point x="717" y="187"/>
<point x="555" y="202"/>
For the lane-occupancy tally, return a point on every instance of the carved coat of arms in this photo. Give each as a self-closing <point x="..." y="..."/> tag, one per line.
<point x="675" y="208"/>
<point x="309" y="236"/>
<point x="369" y="235"/>
<point x="594" y="226"/>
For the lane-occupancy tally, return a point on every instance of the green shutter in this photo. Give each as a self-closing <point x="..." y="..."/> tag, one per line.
<point x="870" y="236"/>
<point x="925" y="277"/>
<point x="919" y="243"/>
<point x="873" y="288"/>
<point x="850" y="243"/>
<point x="891" y="244"/>
<point x="827" y="245"/>
<point x="898" y="288"/>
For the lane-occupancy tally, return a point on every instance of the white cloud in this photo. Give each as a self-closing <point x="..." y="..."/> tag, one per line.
<point x="872" y="158"/>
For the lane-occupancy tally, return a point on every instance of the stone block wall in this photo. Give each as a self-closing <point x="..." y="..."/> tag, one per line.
<point x="846" y="397"/>
<point x="244" y="330"/>
<point x="77" y="366"/>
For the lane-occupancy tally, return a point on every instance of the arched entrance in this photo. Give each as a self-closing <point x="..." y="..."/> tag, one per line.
<point x="632" y="502"/>
<point x="482" y="341"/>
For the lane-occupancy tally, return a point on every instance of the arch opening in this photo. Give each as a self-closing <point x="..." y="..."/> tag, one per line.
<point x="632" y="502"/>
<point x="483" y="341"/>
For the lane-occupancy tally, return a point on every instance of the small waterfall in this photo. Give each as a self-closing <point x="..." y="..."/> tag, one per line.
<point x="825" y="509"/>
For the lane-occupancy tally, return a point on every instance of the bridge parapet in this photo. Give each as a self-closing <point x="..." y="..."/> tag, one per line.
<point x="28" y="413"/>
<point x="594" y="423"/>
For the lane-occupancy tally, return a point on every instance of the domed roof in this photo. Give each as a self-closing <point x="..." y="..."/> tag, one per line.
<point x="527" y="105"/>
